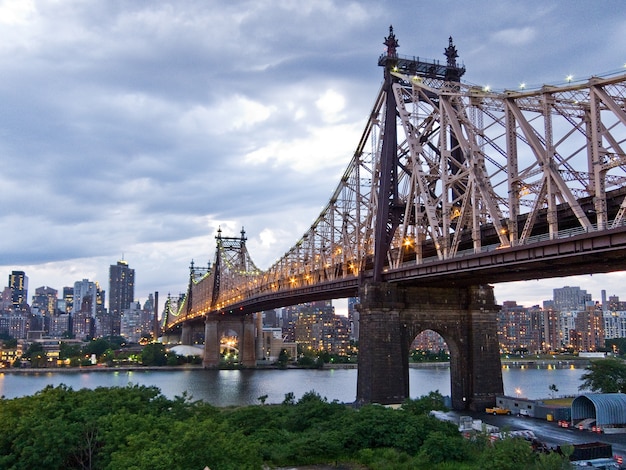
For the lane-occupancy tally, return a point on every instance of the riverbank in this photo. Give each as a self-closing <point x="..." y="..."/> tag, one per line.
<point x="82" y="369"/>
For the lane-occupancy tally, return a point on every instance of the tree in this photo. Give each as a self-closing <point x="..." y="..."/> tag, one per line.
<point x="153" y="354"/>
<point x="290" y="399"/>
<point x="553" y="389"/>
<point x="283" y="358"/>
<point x="605" y="376"/>
<point x="97" y="346"/>
<point x="68" y="351"/>
<point x="36" y="355"/>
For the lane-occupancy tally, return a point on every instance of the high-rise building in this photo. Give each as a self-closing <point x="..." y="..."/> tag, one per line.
<point x="44" y="304"/>
<point x="520" y="328"/>
<point x="570" y="299"/>
<point x="87" y="306"/>
<point x="18" y="283"/>
<point x="615" y="325"/>
<point x="68" y="297"/>
<point x="552" y="338"/>
<point x="353" y="318"/>
<point x="589" y="330"/>
<point x="121" y="292"/>
<point x="45" y="299"/>
<point x="85" y="293"/>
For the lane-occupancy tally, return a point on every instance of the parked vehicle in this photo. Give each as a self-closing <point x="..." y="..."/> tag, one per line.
<point x="524" y="412"/>
<point x="498" y="411"/>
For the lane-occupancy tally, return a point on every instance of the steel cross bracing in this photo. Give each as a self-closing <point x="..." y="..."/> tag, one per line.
<point x="476" y="170"/>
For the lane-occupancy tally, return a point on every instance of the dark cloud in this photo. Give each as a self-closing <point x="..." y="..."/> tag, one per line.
<point x="138" y="128"/>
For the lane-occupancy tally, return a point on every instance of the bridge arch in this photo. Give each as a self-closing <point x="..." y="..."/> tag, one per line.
<point x="218" y="326"/>
<point x="391" y="316"/>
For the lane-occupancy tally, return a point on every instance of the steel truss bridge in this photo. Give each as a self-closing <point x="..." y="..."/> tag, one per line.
<point x="449" y="183"/>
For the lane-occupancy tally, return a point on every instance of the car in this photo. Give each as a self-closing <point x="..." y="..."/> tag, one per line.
<point x="498" y="411"/>
<point x="524" y="412"/>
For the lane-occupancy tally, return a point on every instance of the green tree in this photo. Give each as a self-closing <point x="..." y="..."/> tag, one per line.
<point x="617" y="345"/>
<point x="8" y="342"/>
<point x="154" y="354"/>
<point x="69" y="351"/>
<point x="283" y="358"/>
<point x="439" y="447"/>
<point x="36" y="355"/>
<point x="424" y="404"/>
<point x="553" y="388"/>
<point x="97" y="346"/>
<point x="290" y="399"/>
<point x="605" y="376"/>
<point x="507" y="454"/>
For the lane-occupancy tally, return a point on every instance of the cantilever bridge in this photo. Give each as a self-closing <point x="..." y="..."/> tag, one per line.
<point x="451" y="187"/>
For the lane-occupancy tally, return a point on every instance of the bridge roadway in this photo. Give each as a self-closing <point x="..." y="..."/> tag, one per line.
<point x="574" y="253"/>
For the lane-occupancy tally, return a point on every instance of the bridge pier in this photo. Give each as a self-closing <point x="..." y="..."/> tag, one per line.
<point x="217" y="326"/>
<point x="392" y="316"/>
<point x="186" y="334"/>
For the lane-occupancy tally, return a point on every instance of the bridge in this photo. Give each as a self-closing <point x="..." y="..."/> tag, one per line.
<point x="451" y="188"/>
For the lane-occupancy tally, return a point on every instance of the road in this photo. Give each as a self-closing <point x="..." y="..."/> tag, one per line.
<point x="547" y="432"/>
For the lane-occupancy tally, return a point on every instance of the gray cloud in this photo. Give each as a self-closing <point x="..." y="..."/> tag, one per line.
<point x="137" y="128"/>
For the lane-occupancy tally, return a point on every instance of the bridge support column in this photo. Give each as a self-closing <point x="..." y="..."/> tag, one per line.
<point x="186" y="334"/>
<point x="391" y="317"/>
<point x="211" y="345"/>
<point x="383" y="375"/>
<point x="247" y="343"/>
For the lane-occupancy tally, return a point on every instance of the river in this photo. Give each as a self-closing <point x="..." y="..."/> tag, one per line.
<point x="243" y="387"/>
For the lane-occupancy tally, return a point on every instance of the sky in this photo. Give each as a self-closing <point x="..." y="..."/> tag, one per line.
<point x="134" y="129"/>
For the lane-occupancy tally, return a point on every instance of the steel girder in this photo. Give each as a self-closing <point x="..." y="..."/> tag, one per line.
<point x="476" y="170"/>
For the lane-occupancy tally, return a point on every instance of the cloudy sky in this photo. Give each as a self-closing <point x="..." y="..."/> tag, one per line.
<point x="133" y="129"/>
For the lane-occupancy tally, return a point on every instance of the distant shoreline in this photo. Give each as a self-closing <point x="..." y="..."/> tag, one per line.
<point x="412" y="365"/>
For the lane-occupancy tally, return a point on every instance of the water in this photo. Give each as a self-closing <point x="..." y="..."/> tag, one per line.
<point x="243" y="387"/>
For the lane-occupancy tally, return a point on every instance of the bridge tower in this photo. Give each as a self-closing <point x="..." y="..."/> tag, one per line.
<point x="392" y="314"/>
<point x="231" y="254"/>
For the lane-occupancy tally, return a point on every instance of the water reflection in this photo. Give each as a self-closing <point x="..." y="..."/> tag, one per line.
<point x="242" y="387"/>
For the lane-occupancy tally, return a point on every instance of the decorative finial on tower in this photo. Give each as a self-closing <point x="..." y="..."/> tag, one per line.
<point x="243" y="234"/>
<point x="219" y="232"/>
<point x="451" y="53"/>
<point x="454" y="72"/>
<point x="392" y="43"/>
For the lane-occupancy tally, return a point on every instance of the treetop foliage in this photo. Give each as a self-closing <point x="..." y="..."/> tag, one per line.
<point x="605" y="376"/>
<point x="136" y="427"/>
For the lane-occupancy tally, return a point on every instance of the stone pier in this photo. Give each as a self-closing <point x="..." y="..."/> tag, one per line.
<point x="216" y="326"/>
<point x="392" y="316"/>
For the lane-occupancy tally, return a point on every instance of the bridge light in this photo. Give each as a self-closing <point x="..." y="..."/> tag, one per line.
<point x="569" y="78"/>
<point x="487" y="88"/>
<point x="522" y="86"/>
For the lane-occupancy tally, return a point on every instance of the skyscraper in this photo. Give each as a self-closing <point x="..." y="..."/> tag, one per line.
<point x="121" y="292"/>
<point x="570" y="299"/>
<point x="18" y="283"/>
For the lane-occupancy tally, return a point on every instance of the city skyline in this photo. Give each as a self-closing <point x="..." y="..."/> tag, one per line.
<point x="341" y="305"/>
<point x="136" y="130"/>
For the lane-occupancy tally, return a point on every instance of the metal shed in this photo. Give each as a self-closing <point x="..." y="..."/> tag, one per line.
<point x="608" y="409"/>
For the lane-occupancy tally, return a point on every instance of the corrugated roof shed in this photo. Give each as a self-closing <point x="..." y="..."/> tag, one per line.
<point x="606" y="408"/>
